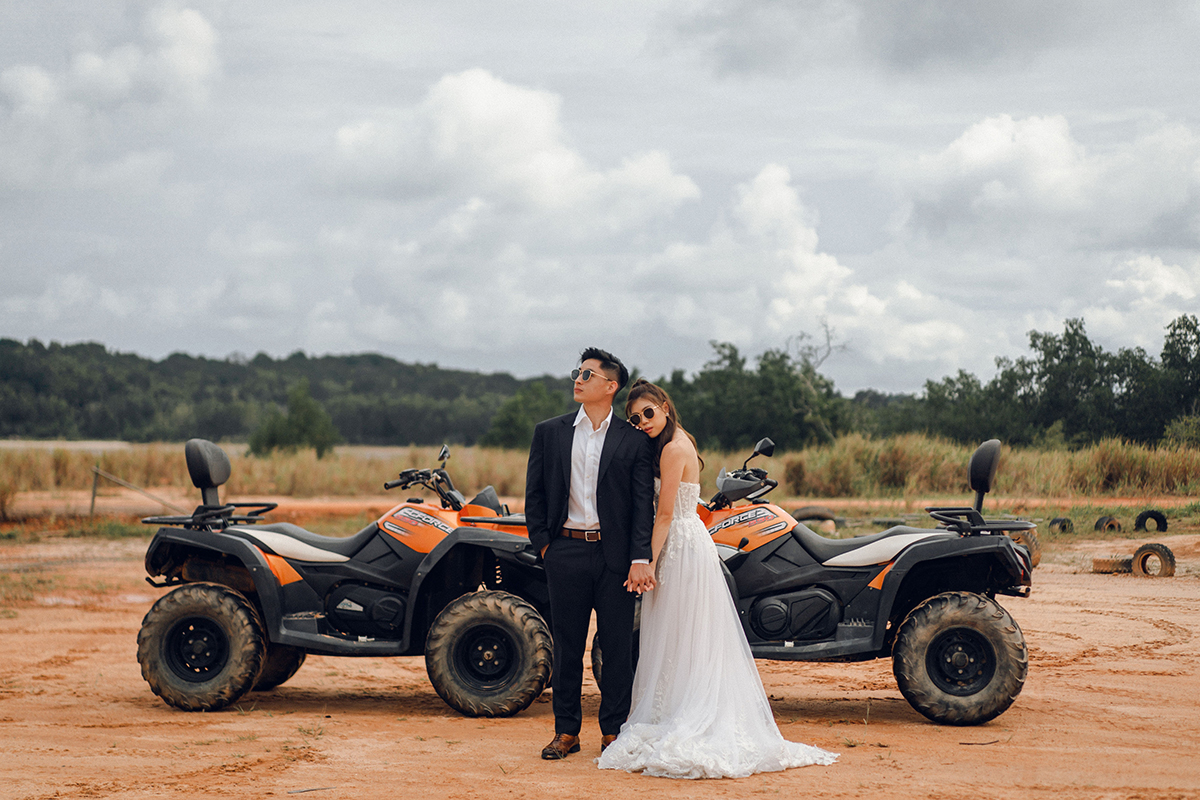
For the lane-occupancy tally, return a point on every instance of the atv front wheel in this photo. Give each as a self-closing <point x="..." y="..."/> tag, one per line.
<point x="489" y="654"/>
<point x="201" y="647"/>
<point x="960" y="659"/>
<point x="279" y="666"/>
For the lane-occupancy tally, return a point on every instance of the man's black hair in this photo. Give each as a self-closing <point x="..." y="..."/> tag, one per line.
<point x="609" y="363"/>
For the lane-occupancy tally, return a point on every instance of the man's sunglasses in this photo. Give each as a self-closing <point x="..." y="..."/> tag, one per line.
<point x="647" y="412"/>
<point x="587" y="374"/>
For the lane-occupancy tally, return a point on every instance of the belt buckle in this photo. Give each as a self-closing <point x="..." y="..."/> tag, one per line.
<point x="587" y="536"/>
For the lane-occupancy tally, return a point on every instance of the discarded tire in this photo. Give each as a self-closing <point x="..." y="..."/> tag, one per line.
<point x="1109" y="566"/>
<point x="1062" y="525"/>
<point x="1108" y="524"/>
<point x="1029" y="540"/>
<point x="811" y="512"/>
<point x="1153" y="561"/>
<point x="1160" y="520"/>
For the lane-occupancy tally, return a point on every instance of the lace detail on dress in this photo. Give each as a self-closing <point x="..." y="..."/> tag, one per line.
<point x="699" y="708"/>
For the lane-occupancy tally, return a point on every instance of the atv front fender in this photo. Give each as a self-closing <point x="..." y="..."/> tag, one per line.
<point x="454" y="568"/>
<point x="981" y="564"/>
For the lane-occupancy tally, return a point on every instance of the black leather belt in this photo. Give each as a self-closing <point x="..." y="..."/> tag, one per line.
<point x="587" y="536"/>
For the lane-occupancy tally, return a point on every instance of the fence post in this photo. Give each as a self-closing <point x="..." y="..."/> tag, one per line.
<point x="95" y="480"/>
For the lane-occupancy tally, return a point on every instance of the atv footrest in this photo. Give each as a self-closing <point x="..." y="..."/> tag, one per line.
<point x="850" y="640"/>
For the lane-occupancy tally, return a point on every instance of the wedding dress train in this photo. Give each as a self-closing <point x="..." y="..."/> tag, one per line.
<point x="699" y="708"/>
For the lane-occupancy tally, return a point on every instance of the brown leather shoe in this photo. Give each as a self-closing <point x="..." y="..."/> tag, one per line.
<point x="560" y="746"/>
<point x="606" y="740"/>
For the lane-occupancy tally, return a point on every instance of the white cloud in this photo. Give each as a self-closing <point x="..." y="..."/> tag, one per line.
<point x="68" y="129"/>
<point x="1027" y="184"/>
<point x="476" y="136"/>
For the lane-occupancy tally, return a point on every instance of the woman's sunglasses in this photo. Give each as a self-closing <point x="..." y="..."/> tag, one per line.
<point x="647" y="412"/>
<point x="587" y="374"/>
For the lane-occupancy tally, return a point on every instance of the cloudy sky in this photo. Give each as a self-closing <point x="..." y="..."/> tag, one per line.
<point x="493" y="185"/>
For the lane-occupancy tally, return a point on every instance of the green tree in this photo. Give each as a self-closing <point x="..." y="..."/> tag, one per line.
<point x="306" y="424"/>
<point x="1181" y="362"/>
<point x="784" y="397"/>
<point x="513" y="423"/>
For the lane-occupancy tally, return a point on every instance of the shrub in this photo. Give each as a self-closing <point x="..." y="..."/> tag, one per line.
<point x="794" y="475"/>
<point x="1183" y="432"/>
<point x="307" y="424"/>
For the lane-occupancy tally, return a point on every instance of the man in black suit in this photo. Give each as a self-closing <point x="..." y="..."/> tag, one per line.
<point x="589" y="505"/>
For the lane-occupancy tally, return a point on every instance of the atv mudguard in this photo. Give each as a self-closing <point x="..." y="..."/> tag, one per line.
<point x="930" y="554"/>
<point x="469" y="543"/>
<point x="161" y="560"/>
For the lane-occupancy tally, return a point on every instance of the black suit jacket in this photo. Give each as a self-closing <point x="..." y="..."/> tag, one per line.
<point x="624" y="488"/>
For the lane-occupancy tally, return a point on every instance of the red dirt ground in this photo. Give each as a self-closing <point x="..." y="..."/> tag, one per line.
<point x="1111" y="708"/>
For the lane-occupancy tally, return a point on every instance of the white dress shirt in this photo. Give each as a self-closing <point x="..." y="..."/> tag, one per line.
<point x="586" y="448"/>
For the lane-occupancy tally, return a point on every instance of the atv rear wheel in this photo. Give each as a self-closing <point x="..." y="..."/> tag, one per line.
<point x="201" y="647"/>
<point x="960" y="659"/>
<point x="279" y="666"/>
<point x="489" y="654"/>
<point x="598" y="654"/>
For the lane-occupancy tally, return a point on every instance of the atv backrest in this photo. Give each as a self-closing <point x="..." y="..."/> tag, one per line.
<point x="982" y="469"/>
<point x="209" y="467"/>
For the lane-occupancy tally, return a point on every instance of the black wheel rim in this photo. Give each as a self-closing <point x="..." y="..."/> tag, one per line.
<point x="961" y="661"/>
<point x="196" y="649"/>
<point x="486" y="657"/>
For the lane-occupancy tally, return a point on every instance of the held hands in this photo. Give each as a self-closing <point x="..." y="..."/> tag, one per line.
<point x="641" y="578"/>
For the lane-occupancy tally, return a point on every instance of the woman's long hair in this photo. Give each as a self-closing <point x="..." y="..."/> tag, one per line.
<point x="659" y="397"/>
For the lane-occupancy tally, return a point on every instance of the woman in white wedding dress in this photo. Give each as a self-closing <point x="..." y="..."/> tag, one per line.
<point x="699" y="708"/>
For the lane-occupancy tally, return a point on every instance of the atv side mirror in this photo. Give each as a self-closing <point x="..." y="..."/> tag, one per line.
<point x="444" y="455"/>
<point x="982" y="469"/>
<point x="765" y="447"/>
<point x="209" y="468"/>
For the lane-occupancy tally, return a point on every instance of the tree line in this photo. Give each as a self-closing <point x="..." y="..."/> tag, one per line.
<point x="85" y="391"/>
<point x="1067" y="392"/>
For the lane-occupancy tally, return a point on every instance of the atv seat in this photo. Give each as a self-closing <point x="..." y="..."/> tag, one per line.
<point x="341" y="545"/>
<point x="823" y="549"/>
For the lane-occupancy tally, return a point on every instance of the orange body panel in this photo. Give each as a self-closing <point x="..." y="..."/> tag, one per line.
<point x="877" y="583"/>
<point x="483" y="511"/>
<point x="420" y="526"/>
<point x="760" y="523"/>
<point x="284" y="572"/>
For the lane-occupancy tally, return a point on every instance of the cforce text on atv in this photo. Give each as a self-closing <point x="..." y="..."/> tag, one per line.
<point x="458" y="582"/>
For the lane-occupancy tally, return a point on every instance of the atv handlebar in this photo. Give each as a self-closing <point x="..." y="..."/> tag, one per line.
<point x="436" y="480"/>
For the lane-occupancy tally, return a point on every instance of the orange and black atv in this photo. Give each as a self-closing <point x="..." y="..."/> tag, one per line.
<point x="459" y="583"/>
<point x="926" y="597"/>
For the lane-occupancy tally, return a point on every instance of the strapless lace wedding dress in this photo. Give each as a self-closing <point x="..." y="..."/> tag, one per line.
<point x="699" y="708"/>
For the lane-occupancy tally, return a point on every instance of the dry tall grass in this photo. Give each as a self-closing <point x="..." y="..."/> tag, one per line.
<point x="853" y="466"/>
<point x="349" y="471"/>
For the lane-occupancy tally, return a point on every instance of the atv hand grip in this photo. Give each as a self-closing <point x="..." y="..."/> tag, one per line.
<point x="393" y="484"/>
